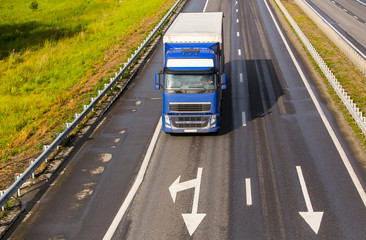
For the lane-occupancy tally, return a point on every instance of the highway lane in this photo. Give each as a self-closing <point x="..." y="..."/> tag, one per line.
<point x="347" y="16"/>
<point x="273" y="160"/>
<point x="246" y="178"/>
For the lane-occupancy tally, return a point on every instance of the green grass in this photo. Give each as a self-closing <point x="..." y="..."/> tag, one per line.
<point x="45" y="53"/>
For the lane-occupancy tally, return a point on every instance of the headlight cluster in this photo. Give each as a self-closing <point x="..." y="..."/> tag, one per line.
<point x="213" y="119"/>
<point x="167" y="120"/>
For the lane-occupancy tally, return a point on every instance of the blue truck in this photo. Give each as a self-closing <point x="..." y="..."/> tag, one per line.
<point x="193" y="76"/>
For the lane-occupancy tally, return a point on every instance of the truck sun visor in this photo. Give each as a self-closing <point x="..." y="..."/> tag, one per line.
<point x="184" y="62"/>
<point x="190" y="71"/>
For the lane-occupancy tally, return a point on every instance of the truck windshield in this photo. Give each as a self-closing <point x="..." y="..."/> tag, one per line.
<point x="176" y="83"/>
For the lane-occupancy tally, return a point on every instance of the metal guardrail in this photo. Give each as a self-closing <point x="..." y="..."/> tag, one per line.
<point x="22" y="178"/>
<point x="343" y="95"/>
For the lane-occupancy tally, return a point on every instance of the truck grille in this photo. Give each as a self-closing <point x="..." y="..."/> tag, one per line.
<point x="190" y="122"/>
<point x="190" y="107"/>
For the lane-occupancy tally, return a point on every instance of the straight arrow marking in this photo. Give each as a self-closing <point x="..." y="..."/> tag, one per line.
<point x="312" y="218"/>
<point x="304" y="189"/>
<point x="197" y="191"/>
<point x="192" y="221"/>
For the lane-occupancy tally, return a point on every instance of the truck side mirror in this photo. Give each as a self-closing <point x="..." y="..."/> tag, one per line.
<point x="223" y="84"/>
<point x="157" y="81"/>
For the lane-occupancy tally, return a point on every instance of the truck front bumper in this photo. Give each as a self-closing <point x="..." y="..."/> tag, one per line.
<point x="190" y="123"/>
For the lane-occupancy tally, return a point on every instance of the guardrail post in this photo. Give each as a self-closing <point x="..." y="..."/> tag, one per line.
<point x="31" y="162"/>
<point x="1" y="194"/>
<point x="92" y="100"/>
<point x="45" y="147"/>
<point x="17" y="176"/>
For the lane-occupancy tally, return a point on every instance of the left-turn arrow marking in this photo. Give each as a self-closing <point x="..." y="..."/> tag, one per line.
<point x="192" y="220"/>
<point x="177" y="187"/>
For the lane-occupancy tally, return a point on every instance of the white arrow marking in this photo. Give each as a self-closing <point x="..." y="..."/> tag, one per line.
<point x="192" y="220"/>
<point x="312" y="218"/>
<point x="177" y="186"/>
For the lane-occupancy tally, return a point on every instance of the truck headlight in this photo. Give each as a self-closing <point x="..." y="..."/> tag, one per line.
<point x="167" y="120"/>
<point x="213" y="119"/>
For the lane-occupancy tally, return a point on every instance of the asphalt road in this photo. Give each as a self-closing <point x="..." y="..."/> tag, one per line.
<point x="347" y="16"/>
<point x="273" y="164"/>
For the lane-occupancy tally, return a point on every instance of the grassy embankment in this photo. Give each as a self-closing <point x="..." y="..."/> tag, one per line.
<point x="349" y="76"/>
<point x="54" y="58"/>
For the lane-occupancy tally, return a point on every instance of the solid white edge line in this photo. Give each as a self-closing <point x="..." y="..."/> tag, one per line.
<point x="248" y="189"/>
<point x="140" y="176"/>
<point x="331" y="132"/>
<point x="361" y="2"/>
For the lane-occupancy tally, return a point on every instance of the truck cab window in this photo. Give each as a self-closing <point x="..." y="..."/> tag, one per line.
<point x="189" y="83"/>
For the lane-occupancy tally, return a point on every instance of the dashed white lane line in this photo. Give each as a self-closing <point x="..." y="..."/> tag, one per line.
<point x="241" y="77"/>
<point x="243" y="119"/>
<point x="237" y="34"/>
<point x="248" y="189"/>
<point x="239" y="52"/>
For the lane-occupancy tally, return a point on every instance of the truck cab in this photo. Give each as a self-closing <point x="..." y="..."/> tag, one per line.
<point x="192" y="81"/>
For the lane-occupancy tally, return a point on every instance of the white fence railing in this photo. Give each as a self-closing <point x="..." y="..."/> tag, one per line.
<point x="343" y="95"/>
<point x="22" y="178"/>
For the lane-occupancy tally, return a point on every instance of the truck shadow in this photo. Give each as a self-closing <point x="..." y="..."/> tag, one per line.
<point x="259" y="90"/>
